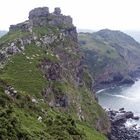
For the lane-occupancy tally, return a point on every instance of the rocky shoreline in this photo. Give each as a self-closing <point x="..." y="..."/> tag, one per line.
<point x="119" y="129"/>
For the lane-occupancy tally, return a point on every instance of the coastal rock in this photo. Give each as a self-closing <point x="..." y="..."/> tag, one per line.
<point x="119" y="131"/>
<point x="136" y="118"/>
<point x="129" y="115"/>
<point x="42" y="17"/>
<point x="119" y="119"/>
<point x="127" y="81"/>
<point x="113" y="81"/>
<point x="121" y="109"/>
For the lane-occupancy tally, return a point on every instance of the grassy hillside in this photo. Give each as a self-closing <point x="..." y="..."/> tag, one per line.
<point x="99" y="54"/>
<point x="110" y="55"/>
<point x="100" y="47"/>
<point x="39" y="94"/>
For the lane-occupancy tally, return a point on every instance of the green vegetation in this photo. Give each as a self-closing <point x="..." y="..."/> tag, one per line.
<point x="22" y="71"/>
<point x="10" y="36"/>
<point x="19" y="120"/>
<point x="100" y="56"/>
<point x="90" y="133"/>
<point x="28" y="114"/>
<point x="41" y="31"/>
<point x="100" y="47"/>
<point x="22" y="123"/>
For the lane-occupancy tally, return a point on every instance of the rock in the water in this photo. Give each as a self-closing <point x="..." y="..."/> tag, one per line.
<point x="119" y="131"/>
<point x="121" y="109"/>
<point x="136" y="118"/>
<point x="129" y="115"/>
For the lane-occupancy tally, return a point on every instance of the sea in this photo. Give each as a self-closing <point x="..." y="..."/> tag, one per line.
<point x="127" y="97"/>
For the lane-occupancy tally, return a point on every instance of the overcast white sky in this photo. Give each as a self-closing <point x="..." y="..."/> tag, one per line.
<point x="87" y="14"/>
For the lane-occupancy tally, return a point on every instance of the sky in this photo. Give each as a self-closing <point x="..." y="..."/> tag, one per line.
<point x="86" y="14"/>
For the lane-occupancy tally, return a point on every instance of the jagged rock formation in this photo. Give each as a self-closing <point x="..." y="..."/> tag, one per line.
<point x="45" y="80"/>
<point x="112" y="57"/>
<point x="39" y="17"/>
<point x="42" y="17"/>
<point x="119" y="129"/>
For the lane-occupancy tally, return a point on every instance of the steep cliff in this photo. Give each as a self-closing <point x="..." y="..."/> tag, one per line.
<point x="46" y="91"/>
<point x="112" y="57"/>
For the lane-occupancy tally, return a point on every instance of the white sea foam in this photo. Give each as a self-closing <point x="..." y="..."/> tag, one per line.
<point x="99" y="91"/>
<point x="122" y="96"/>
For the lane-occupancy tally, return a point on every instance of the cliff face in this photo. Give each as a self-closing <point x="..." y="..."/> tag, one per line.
<point x="44" y="81"/>
<point x="112" y="57"/>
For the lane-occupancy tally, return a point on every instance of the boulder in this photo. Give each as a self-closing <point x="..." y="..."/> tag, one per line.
<point x="136" y="118"/>
<point x="119" y="119"/>
<point x="121" y="109"/>
<point x="129" y="115"/>
<point x="119" y="131"/>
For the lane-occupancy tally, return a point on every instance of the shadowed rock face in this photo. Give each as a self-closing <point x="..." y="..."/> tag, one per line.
<point x="42" y="17"/>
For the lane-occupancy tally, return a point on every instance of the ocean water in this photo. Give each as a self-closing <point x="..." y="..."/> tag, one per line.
<point x="127" y="97"/>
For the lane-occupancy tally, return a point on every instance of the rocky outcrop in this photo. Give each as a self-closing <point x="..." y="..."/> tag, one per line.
<point x="39" y="12"/>
<point x="42" y="17"/>
<point x="51" y="70"/>
<point x="114" y="79"/>
<point x="11" y="48"/>
<point x="119" y="131"/>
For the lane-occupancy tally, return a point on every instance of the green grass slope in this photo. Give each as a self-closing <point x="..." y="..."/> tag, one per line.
<point x="90" y="43"/>
<point x="28" y="114"/>
<point x="109" y="53"/>
<point x="100" y="57"/>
